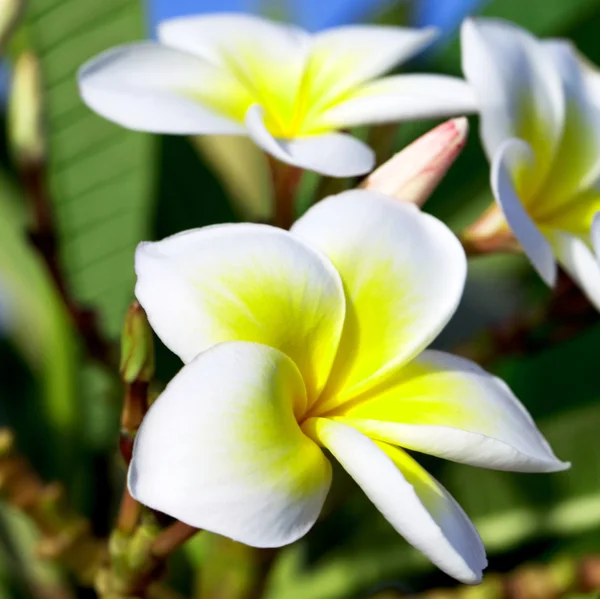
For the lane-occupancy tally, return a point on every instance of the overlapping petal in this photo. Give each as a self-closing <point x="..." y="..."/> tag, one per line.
<point x="400" y="98"/>
<point x="149" y="87"/>
<point x="577" y="163"/>
<point x="403" y="273"/>
<point x="332" y="154"/>
<point x="345" y="57"/>
<point x="243" y="282"/>
<point x="518" y="89"/>
<point x="414" y="503"/>
<point x="267" y="58"/>
<point x="513" y="161"/>
<point x="221" y="449"/>
<point x="577" y="258"/>
<point x="449" y="407"/>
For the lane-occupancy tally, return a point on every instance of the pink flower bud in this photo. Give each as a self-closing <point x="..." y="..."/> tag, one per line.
<point x="412" y="174"/>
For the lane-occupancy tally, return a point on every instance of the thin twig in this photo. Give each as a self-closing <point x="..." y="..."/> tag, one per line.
<point x="171" y="538"/>
<point x="66" y="536"/>
<point x="564" y="316"/>
<point x="43" y="237"/>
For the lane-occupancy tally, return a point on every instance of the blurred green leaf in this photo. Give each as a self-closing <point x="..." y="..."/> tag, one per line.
<point x="19" y="561"/>
<point x="39" y="325"/>
<point x="100" y="174"/>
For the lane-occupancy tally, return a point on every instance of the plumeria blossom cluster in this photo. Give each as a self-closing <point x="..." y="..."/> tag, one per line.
<point x="312" y="339"/>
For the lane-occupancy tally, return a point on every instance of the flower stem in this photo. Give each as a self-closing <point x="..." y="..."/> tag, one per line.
<point x="285" y="178"/>
<point x="171" y="538"/>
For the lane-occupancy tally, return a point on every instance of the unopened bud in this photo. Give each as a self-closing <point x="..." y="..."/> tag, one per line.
<point x="137" y="347"/>
<point x="413" y="174"/>
<point x="10" y="14"/>
<point x="27" y="134"/>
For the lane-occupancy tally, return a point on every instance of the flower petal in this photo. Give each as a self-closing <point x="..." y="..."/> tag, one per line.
<point x="243" y="282"/>
<point x="595" y="234"/>
<point x="221" y="450"/>
<point x="332" y="154"/>
<point x="577" y="162"/>
<point x="402" y="97"/>
<point x="149" y="87"/>
<point x="268" y="58"/>
<point x="577" y="258"/>
<point x="403" y="272"/>
<point x="451" y="408"/>
<point x="412" y="501"/>
<point x="512" y="158"/>
<point x="344" y="57"/>
<point x="518" y="89"/>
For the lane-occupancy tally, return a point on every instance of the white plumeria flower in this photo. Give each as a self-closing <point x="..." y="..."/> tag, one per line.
<point x="289" y="90"/>
<point x="315" y="338"/>
<point x="540" y="127"/>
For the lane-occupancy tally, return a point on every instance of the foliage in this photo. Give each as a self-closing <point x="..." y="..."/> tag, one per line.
<point x="111" y="188"/>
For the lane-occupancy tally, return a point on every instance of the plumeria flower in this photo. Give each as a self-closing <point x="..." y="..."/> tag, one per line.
<point x="540" y="127"/>
<point x="295" y="342"/>
<point x="289" y="90"/>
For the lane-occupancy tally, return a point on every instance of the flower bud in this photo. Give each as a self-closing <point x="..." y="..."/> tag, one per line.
<point x="137" y="347"/>
<point x="10" y="13"/>
<point x="413" y="173"/>
<point x="26" y="133"/>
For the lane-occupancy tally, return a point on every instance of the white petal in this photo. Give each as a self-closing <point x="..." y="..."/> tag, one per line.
<point x="344" y="57"/>
<point x="576" y="257"/>
<point x="220" y="38"/>
<point x="412" y="501"/>
<point x="451" y="408"/>
<point x="332" y="154"/>
<point x="577" y="163"/>
<point x="511" y="156"/>
<point x="268" y="58"/>
<point x="403" y="273"/>
<point x="402" y="97"/>
<point x="518" y="88"/>
<point x="149" y="87"/>
<point x="243" y="282"/>
<point x="221" y="450"/>
<point x="595" y="234"/>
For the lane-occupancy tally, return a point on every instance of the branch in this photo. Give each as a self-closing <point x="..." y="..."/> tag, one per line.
<point x="44" y="239"/>
<point x="65" y="534"/>
<point x="567" y="314"/>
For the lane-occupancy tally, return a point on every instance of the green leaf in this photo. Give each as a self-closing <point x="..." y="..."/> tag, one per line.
<point x="100" y="174"/>
<point x="39" y="326"/>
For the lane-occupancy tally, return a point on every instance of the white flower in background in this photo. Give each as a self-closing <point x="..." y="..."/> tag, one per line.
<point x="315" y="338"/>
<point x="540" y="127"/>
<point x="289" y="90"/>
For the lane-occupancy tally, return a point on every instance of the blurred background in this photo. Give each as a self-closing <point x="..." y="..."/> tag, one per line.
<point x="109" y="188"/>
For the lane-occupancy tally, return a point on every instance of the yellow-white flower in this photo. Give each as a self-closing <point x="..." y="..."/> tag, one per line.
<point x="540" y="127"/>
<point x="290" y="91"/>
<point x="310" y="339"/>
